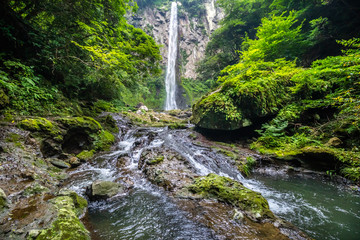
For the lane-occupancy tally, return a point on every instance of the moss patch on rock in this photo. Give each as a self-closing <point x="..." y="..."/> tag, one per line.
<point x="85" y="155"/>
<point x="234" y="193"/>
<point x="87" y="123"/>
<point x="156" y="160"/>
<point x="41" y="125"/>
<point x="67" y="224"/>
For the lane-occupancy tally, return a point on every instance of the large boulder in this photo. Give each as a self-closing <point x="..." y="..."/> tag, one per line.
<point x="234" y="193"/>
<point x="103" y="190"/>
<point x="218" y="111"/>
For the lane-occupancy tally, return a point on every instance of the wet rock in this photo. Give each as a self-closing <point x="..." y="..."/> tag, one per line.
<point x="143" y="108"/>
<point x="334" y="142"/>
<point x="140" y="104"/>
<point x="154" y="119"/>
<point x="50" y="148"/>
<point x="103" y="190"/>
<point x="74" y="162"/>
<point x="3" y="200"/>
<point x="59" y="163"/>
<point x="33" y="233"/>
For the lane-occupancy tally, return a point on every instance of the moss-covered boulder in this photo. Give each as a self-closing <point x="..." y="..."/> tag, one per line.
<point x="87" y="123"/>
<point x="103" y="190"/>
<point x="41" y="125"/>
<point x="67" y="224"/>
<point x="250" y="92"/>
<point x="85" y="133"/>
<point x="217" y="111"/>
<point x="234" y="193"/>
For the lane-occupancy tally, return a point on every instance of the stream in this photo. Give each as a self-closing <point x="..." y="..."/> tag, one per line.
<point x="322" y="210"/>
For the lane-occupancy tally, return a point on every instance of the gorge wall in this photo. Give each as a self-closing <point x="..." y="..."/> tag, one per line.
<point x="196" y="24"/>
<point x="194" y="30"/>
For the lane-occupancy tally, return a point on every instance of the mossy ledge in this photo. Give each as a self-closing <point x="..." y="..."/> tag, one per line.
<point x="64" y="129"/>
<point x="41" y="125"/>
<point x="232" y="192"/>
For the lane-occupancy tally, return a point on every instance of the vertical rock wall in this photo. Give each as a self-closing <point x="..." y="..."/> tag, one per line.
<point x="194" y="33"/>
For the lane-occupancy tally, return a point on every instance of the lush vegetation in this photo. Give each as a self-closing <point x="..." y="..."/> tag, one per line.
<point x="322" y="23"/>
<point x="308" y="112"/>
<point x="54" y="51"/>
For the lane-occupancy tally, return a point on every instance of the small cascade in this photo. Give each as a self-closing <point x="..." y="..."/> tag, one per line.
<point x="170" y="81"/>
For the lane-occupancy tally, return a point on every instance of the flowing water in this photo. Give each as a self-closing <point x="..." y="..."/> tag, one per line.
<point x="170" y="80"/>
<point x="322" y="210"/>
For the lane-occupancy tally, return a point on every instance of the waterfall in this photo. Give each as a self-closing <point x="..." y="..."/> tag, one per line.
<point x="170" y="81"/>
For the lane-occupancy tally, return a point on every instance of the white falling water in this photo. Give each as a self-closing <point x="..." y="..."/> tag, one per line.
<point x="170" y="81"/>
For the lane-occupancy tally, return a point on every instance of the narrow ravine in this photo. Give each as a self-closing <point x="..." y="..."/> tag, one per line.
<point x="322" y="210"/>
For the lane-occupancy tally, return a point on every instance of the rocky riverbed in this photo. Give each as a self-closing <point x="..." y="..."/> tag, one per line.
<point x="155" y="167"/>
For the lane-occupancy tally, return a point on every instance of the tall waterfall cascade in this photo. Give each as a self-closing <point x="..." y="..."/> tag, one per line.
<point x="170" y="80"/>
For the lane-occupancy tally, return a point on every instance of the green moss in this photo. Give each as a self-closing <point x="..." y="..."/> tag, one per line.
<point x="177" y="126"/>
<point x="156" y="160"/>
<point x="67" y="224"/>
<point x="110" y="124"/>
<point x="193" y="136"/>
<point x="232" y="192"/>
<point x="4" y="99"/>
<point x="14" y="138"/>
<point x="41" y="125"/>
<point x="80" y="203"/>
<point x="103" y="140"/>
<point x="217" y="111"/>
<point x="87" y="123"/>
<point x="103" y="106"/>
<point x="85" y="155"/>
<point x="228" y="153"/>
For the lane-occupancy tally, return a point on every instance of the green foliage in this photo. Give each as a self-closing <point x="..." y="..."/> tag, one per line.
<point x="194" y="89"/>
<point x="195" y="8"/>
<point x="353" y="173"/>
<point x="320" y="21"/>
<point x="85" y="50"/>
<point x="276" y="37"/>
<point x="103" y="140"/>
<point x="331" y="86"/>
<point x="23" y="90"/>
<point x="246" y="168"/>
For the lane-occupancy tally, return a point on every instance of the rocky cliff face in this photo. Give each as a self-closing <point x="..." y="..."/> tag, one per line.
<point x="194" y="31"/>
